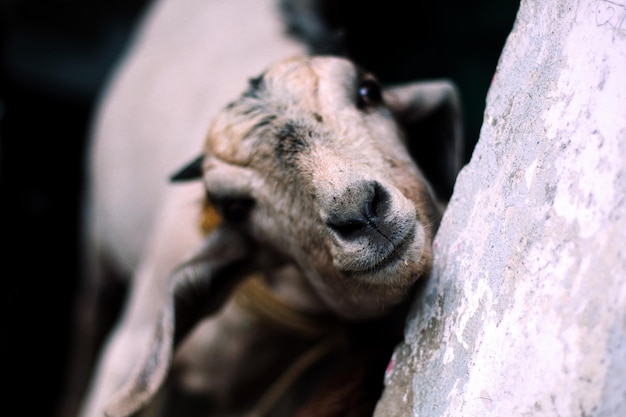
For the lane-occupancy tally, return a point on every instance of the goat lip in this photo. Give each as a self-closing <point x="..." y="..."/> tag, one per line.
<point x="395" y="255"/>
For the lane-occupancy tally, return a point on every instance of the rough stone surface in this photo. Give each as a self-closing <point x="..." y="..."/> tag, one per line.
<point x="525" y="313"/>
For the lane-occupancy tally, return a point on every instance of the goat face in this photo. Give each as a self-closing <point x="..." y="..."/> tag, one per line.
<point x="310" y="161"/>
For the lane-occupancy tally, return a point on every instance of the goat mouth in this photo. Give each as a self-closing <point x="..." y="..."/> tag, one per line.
<point x="386" y="262"/>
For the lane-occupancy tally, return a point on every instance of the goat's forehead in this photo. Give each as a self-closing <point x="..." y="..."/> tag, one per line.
<point x="291" y="89"/>
<point x="307" y="84"/>
<point x="307" y="73"/>
<point x="291" y="76"/>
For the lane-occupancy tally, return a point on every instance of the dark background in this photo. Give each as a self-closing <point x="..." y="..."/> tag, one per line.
<point x="55" y="56"/>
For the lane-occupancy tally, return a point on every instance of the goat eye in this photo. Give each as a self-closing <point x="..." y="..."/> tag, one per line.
<point x="235" y="210"/>
<point x="369" y="94"/>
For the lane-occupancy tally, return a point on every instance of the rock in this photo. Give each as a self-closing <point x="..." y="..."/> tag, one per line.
<point x="525" y="311"/>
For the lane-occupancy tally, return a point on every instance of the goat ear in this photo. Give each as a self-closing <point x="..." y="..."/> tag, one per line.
<point x="196" y="289"/>
<point x="430" y="114"/>
<point x="189" y="172"/>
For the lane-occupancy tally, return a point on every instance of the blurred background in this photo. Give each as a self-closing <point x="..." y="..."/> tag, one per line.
<point x="55" y="57"/>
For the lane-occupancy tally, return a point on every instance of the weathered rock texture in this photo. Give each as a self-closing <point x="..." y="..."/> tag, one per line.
<point x="525" y="313"/>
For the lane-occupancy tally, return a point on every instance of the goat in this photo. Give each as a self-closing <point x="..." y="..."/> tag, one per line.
<point x="311" y="175"/>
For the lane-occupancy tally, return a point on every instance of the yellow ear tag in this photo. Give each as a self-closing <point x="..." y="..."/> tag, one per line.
<point x="209" y="219"/>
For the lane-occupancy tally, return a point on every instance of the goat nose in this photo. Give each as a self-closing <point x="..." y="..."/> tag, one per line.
<point x="358" y="211"/>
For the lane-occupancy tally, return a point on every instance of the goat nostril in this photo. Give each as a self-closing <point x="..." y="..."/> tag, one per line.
<point x="377" y="203"/>
<point x="347" y="229"/>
